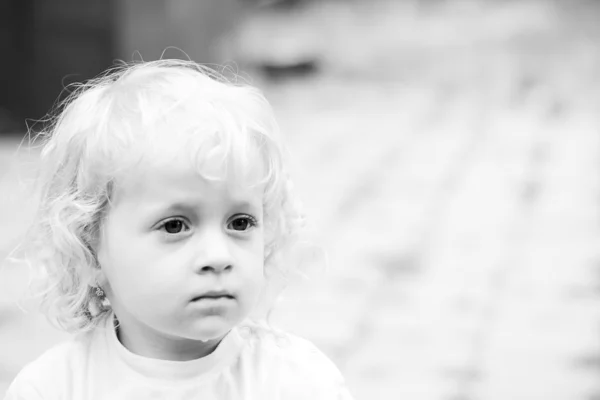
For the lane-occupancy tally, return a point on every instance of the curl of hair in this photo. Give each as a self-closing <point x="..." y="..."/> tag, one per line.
<point x="83" y="145"/>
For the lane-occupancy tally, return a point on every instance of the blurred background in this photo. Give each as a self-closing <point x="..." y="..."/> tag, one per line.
<point x="447" y="152"/>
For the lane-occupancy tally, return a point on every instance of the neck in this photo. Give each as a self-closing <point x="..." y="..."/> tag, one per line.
<point x="150" y="344"/>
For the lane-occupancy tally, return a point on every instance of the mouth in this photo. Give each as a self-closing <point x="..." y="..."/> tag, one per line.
<point x="214" y="296"/>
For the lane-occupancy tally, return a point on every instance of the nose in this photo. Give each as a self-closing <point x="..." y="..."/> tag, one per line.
<point x="214" y="255"/>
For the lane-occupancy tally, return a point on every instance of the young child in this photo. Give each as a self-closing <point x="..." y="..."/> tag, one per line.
<point x="165" y="218"/>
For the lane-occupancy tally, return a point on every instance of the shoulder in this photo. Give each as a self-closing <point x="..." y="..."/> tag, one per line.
<point x="296" y="363"/>
<point x="45" y="377"/>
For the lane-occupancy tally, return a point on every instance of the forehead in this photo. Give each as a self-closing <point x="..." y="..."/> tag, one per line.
<point x="166" y="178"/>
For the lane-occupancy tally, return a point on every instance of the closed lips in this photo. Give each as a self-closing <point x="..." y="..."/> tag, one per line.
<point x="213" y="296"/>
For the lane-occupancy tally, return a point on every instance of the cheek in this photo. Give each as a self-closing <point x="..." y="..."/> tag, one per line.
<point x="251" y="259"/>
<point x="123" y="256"/>
<point x="258" y="255"/>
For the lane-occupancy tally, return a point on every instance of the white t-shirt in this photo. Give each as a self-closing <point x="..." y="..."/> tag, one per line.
<point x="251" y="362"/>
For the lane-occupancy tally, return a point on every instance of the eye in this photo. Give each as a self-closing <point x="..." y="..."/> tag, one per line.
<point x="174" y="226"/>
<point x="242" y="223"/>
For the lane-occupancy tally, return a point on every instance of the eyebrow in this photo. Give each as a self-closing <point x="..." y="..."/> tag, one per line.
<point x="180" y="206"/>
<point x="192" y="207"/>
<point x="245" y="204"/>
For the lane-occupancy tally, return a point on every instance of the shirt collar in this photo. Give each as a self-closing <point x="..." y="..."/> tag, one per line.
<point x="225" y="354"/>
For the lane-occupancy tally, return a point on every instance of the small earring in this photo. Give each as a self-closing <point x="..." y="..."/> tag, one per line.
<point x="99" y="292"/>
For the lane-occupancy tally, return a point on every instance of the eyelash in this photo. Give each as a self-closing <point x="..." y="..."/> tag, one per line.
<point x="163" y="224"/>
<point x="253" y="223"/>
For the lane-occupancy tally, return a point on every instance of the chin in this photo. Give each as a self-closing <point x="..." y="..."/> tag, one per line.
<point x="211" y="330"/>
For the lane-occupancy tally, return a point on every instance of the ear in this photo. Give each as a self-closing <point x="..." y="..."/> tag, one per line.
<point x="96" y="247"/>
<point x="98" y="277"/>
<point x="96" y="274"/>
<point x="91" y="237"/>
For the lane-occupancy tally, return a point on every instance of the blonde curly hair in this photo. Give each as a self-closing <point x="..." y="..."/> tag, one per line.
<point x="103" y="128"/>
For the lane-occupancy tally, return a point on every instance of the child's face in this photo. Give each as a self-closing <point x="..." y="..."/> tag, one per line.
<point x="182" y="256"/>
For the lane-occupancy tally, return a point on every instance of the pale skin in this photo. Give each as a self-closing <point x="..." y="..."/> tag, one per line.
<point x="181" y="259"/>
